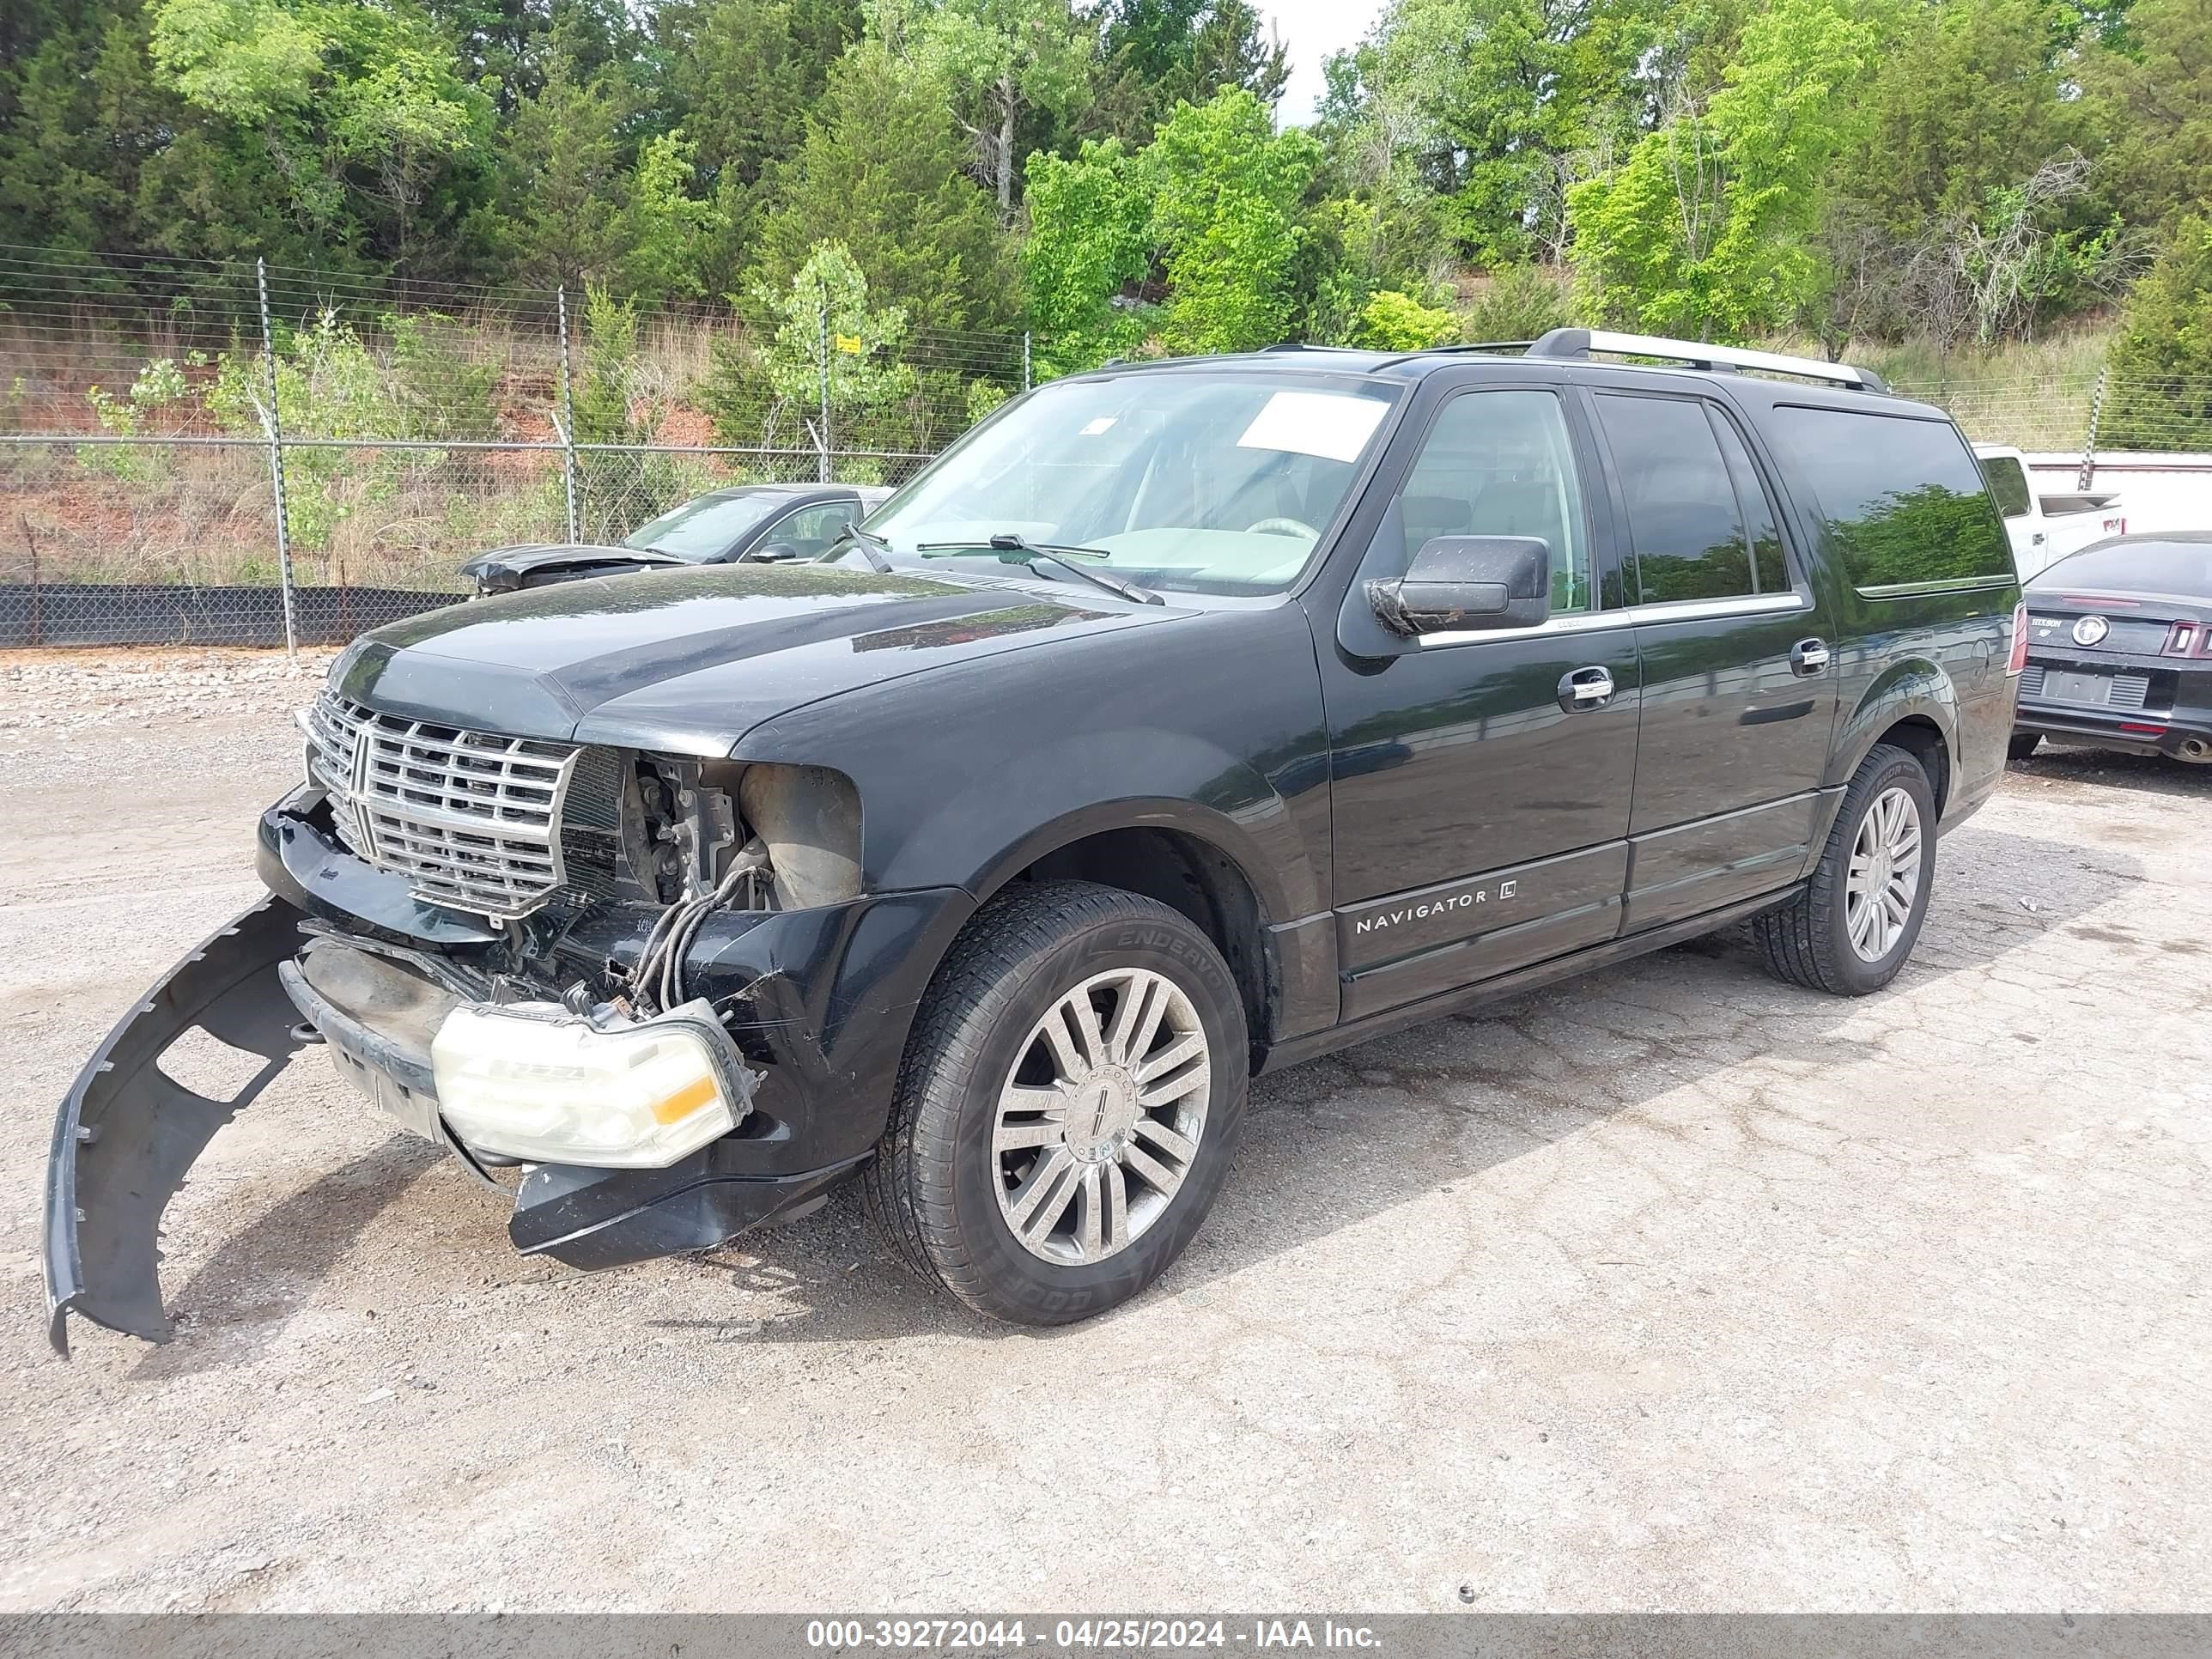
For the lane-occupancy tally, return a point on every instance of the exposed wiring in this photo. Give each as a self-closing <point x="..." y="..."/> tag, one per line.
<point x="658" y="982"/>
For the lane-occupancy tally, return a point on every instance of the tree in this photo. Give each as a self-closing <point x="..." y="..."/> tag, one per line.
<point x="510" y="45"/>
<point x="1490" y="96"/>
<point x="741" y="76"/>
<point x="358" y="105"/>
<point x="1090" y="239"/>
<point x="1711" y="225"/>
<point x="1226" y="191"/>
<point x="997" y="59"/>
<point x="1155" y="54"/>
<point x="2152" y="98"/>
<point x="664" y="230"/>
<point x="1968" y="100"/>
<point x="2161" y="363"/>
<point x="559" y="177"/>
<point x="880" y="170"/>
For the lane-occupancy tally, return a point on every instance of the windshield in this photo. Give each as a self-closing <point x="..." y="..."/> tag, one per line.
<point x="2182" y="567"/>
<point x="1195" y="482"/>
<point x="702" y="530"/>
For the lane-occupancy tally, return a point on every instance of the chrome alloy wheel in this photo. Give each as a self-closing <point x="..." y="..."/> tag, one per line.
<point x="1885" y="875"/>
<point x="1100" y="1119"/>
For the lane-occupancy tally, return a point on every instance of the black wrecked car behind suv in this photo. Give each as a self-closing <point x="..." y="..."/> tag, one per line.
<point x="1182" y="721"/>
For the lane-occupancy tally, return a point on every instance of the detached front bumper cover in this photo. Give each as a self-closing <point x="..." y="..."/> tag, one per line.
<point x="127" y="1133"/>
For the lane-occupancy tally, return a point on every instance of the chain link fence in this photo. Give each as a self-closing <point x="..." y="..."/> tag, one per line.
<point x="208" y="453"/>
<point x="223" y="455"/>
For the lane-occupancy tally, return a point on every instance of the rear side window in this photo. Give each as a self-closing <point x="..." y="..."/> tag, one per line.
<point x="1685" y="519"/>
<point x="2008" y="482"/>
<point x="1904" y="502"/>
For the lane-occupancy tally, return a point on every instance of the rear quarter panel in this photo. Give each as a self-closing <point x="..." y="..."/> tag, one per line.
<point x="1936" y="656"/>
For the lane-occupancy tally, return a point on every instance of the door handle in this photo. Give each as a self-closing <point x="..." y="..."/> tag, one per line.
<point x="1585" y="688"/>
<point x="1808" y="658"/>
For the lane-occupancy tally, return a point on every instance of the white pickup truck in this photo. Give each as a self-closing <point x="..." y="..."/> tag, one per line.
<point x="2044" y="529"/>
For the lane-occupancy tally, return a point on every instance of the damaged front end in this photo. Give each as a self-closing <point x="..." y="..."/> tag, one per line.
<point x="651" y="985"/>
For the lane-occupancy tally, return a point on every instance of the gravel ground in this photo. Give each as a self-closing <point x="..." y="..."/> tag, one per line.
<point x="1666" y="1288"/>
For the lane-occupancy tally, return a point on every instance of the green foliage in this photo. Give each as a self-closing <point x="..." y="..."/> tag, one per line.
<point x="619" y="399"/>
<point x="329" y="384"/>
<point x="830" y="351"/>
<point x="1392" y="321"/>
<point x="880" y="171"/>
<point x="1090" y="239"/>
<point x="2162" y="361"/>
<point x="741" y="76"/>
<point x="1966" y="101"/>
<point x="1155" y="54"/>
<point x="1708" y="227"/>
<point x="1496" y="98"/>
<point x="360" y="107"/>
<point x="1966" y="170"/>
<point x="1521" y="303"/>
<point x="2150" y="96"/>
<point x="1213" y="205"/>
<point x="159" y="385"/>
<point x="996" y="60"/>
<point x="439" y="390"/>
<point x="1225" y="191"/>
<point x="984" y="398"/>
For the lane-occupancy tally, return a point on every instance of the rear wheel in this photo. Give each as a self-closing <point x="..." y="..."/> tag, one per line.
<point x="1851" y="929"/>
<point x="1068" y="1103"/>
<point x="2022" y="745"/>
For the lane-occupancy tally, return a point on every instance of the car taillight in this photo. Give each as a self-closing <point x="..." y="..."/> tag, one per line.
<point x="2182" y="640"/>
<point x="2018" y="661"/>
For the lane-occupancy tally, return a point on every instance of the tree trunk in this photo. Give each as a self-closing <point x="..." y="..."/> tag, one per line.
<point x="1006" y="152"/>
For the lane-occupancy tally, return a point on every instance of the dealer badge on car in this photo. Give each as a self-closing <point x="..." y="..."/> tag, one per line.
<point x="2091" y="630"/>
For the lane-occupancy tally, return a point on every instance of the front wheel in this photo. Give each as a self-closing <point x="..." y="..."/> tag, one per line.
<point x="1851" y="930"/>
<point x="1068" y="1106"/>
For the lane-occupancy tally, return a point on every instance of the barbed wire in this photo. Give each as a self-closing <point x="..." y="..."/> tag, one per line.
<point x="151" y="413"/>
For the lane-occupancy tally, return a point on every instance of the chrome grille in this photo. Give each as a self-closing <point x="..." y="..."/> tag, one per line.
<point x="471" y="820"/>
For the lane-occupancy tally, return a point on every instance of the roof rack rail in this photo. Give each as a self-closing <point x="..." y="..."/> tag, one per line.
<point x="1396" y="358"/>
<point x="1579" y="343"/>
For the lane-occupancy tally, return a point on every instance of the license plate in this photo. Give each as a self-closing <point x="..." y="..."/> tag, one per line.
<point x="2077" y="687"/>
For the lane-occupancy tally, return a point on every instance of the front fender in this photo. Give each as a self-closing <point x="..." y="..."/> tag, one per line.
<point x="127" y="1133"/>
<point x="1140" y="777"/>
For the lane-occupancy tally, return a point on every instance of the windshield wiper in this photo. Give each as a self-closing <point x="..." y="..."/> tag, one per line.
<point x="873" y="545"/>
<point x="1065" y="557"/>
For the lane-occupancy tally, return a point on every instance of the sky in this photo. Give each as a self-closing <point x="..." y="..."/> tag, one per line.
<point x="1314" y="30"/>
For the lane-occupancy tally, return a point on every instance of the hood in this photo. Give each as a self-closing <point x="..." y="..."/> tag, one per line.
<point x="501" y="570"/>
<point x="690" y="661"/>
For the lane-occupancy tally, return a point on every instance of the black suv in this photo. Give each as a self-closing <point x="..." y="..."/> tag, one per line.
<point x="1184" y="720"/>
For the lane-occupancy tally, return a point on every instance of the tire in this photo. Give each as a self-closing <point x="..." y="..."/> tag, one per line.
<point x="1809" y="941"/>
<point x="946" y="1192"/>
<point x="2022" y="745"/>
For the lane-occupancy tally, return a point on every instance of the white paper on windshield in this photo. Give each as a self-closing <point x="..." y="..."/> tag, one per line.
<point x="1314" y="423"/>
<point x="1097" y="426"/>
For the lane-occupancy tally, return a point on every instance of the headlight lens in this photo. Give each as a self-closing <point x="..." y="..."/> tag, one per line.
<point x="545" y="1086"/>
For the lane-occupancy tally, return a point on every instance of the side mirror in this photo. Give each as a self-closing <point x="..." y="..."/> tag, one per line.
<point x="773" y="553"/>
<point x="1466" y="582"/>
